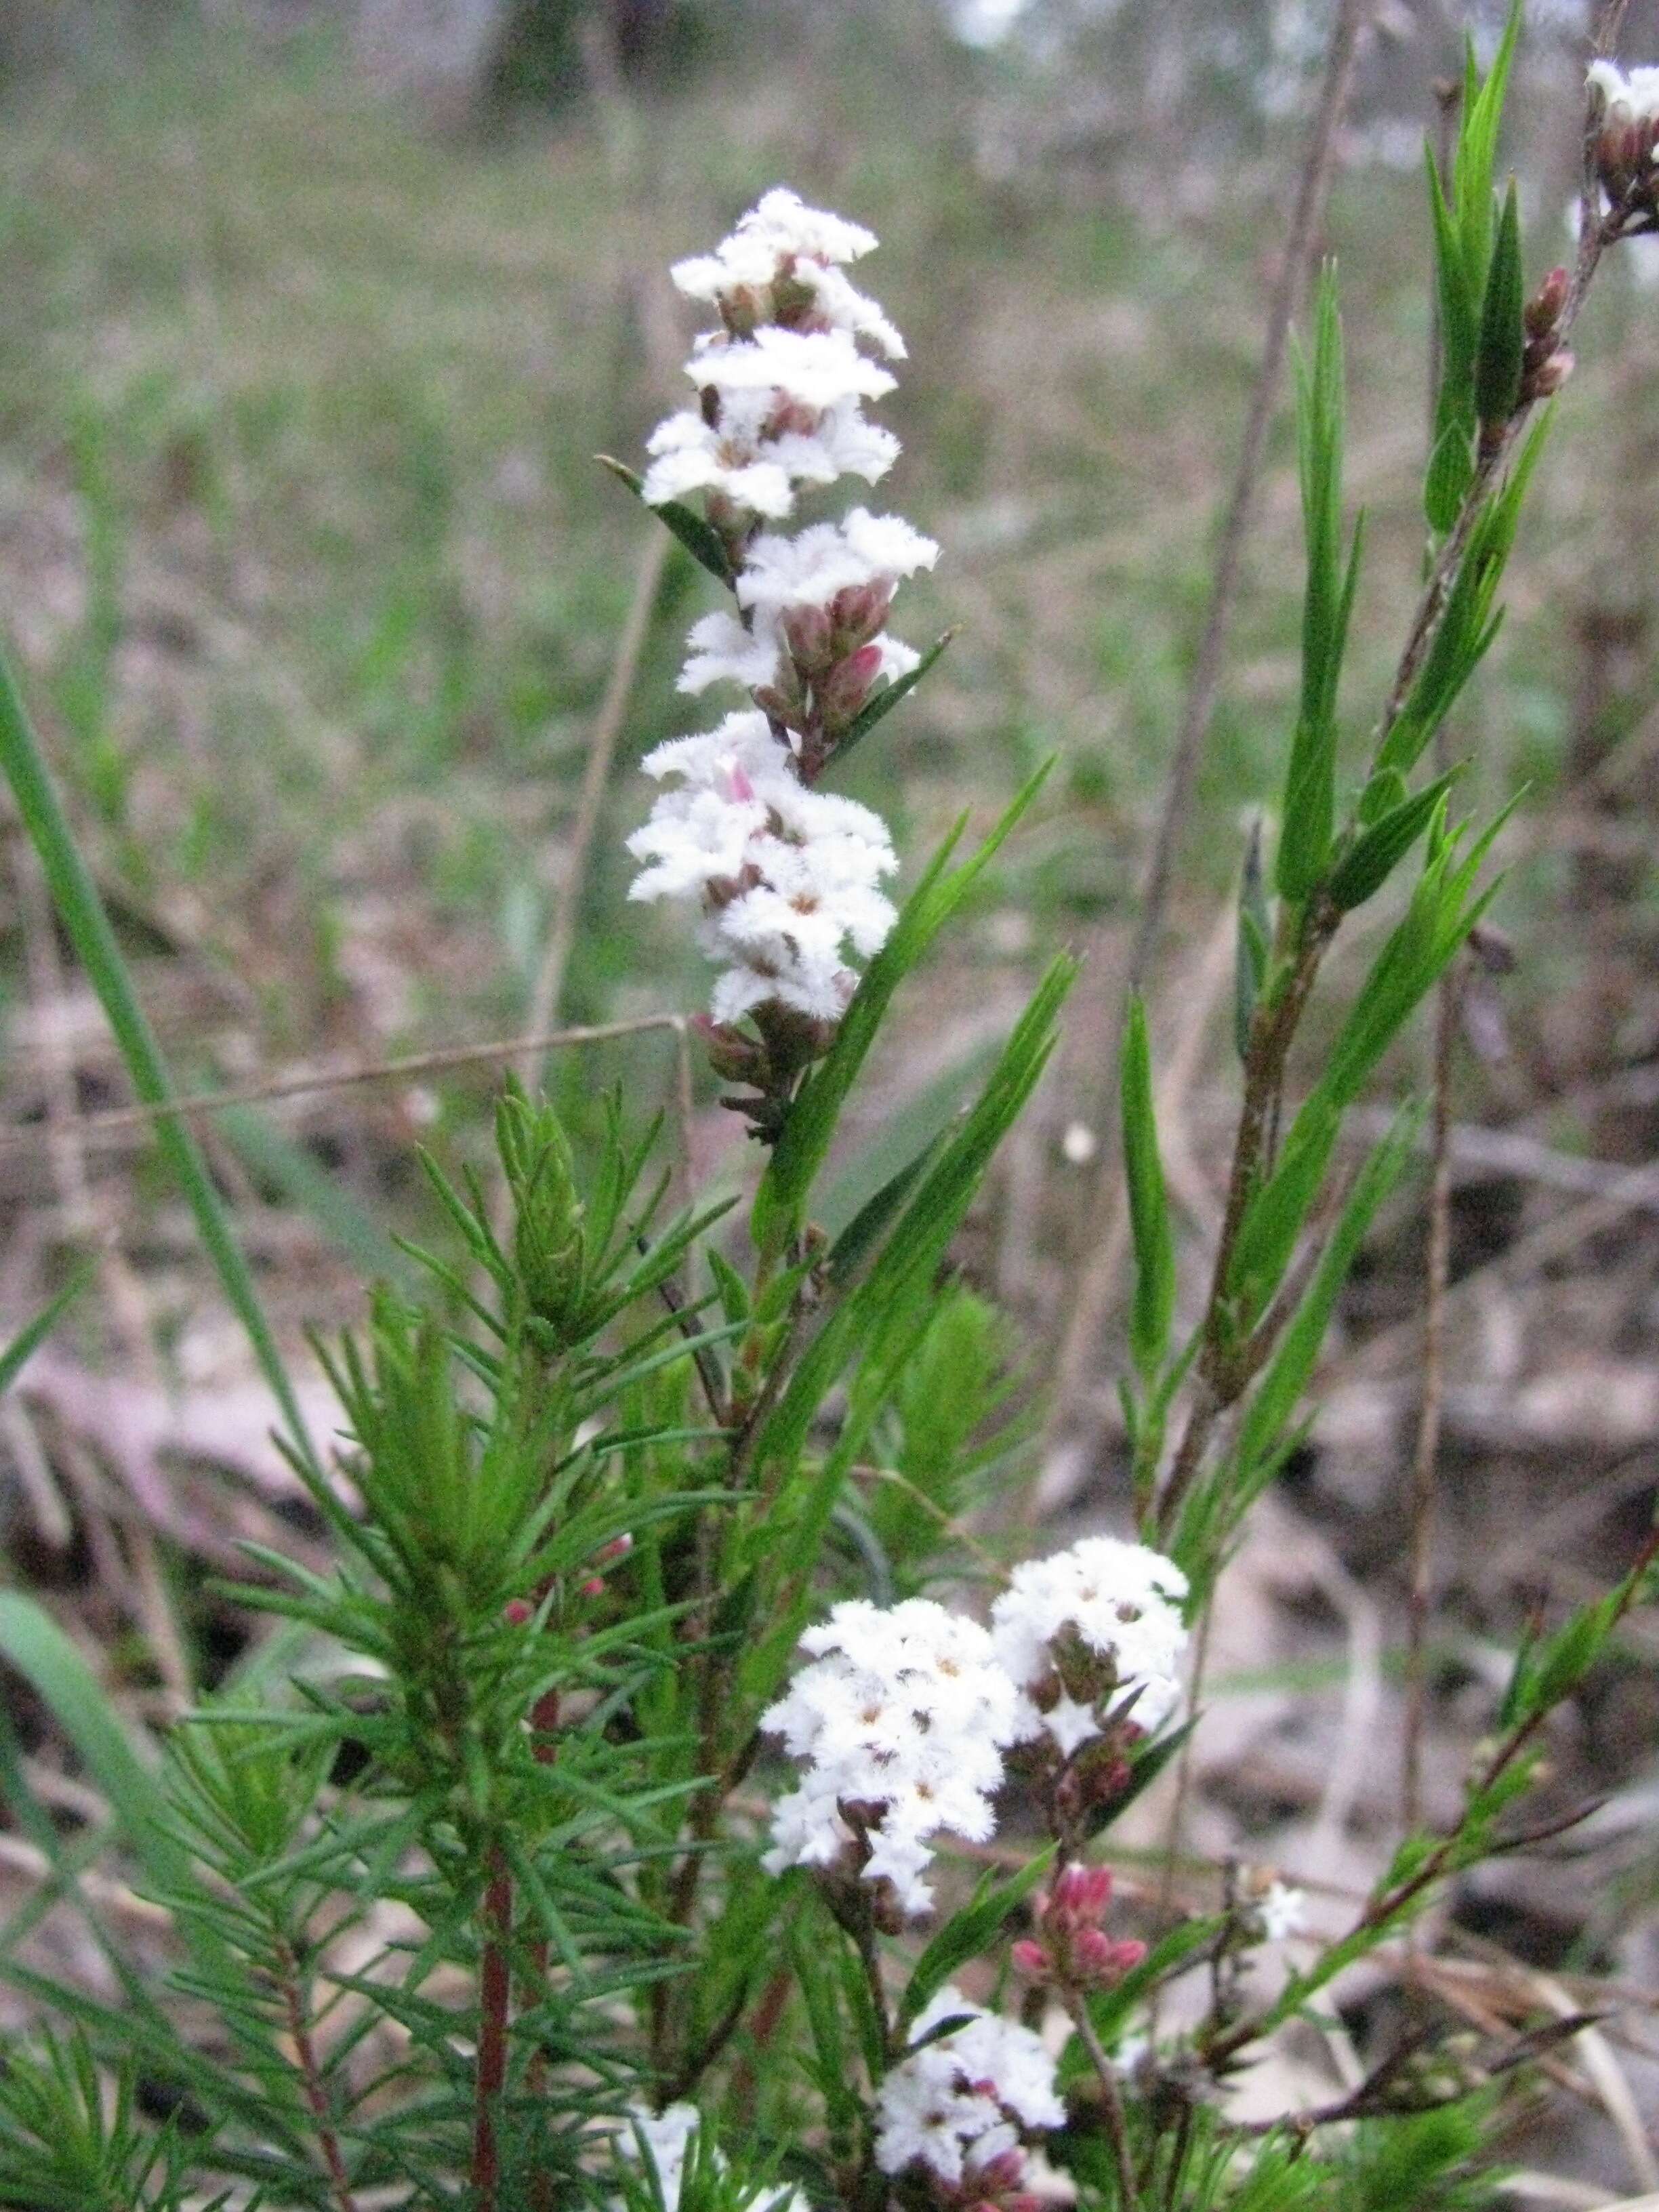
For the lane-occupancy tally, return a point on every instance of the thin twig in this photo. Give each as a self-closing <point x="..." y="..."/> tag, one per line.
<point x="311" y="2076"/>
<point x="1111" y="2097"/>
<point x="120" y="1118"/>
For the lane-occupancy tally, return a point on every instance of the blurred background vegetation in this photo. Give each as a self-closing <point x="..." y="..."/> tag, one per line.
<point x="313" y="316"/>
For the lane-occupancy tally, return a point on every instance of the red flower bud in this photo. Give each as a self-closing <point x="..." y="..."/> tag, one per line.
<point x="517" y="1612"/>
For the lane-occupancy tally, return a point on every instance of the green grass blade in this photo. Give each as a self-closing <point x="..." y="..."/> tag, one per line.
<point x="27" y="1339"/>
<point x="82" y="910"/>
<point x="33" y="1642"/>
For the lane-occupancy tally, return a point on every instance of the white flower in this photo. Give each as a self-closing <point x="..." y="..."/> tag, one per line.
<point x="902" y="1715"/>
<point x="953" y="2106"/>
<point x="844" y="308"/>
<point x="789" y="876"/>
<point x="814" y="369"/>
<point x="1283" y="1911"/>
<point x="789" y="225"/>
<point x="719" y="650"/>
<point x="1632" y="98"/>
<point x="810" y="568"/>
<point x="1120" y="1601"/>
<point x="781" y="242"/>
<point x="689" y="455"/>
<point x="667" y="2138"/>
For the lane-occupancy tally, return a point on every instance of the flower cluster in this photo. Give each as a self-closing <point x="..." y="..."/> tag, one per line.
<point x="1092" y="1635"/>
<point x="787" y="879"/>
<point x="1071" y="1947"/>
<point x="957" y="2106"/>
<point x="900" y="1719"/>
<point x="1627" y="137"/>
<point x="781" y="383"/>
<point x="903" y="1715"/>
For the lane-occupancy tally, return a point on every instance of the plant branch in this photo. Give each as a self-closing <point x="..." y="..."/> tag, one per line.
<point x="1111" y="2097"/>
<point x="495" y="1983"/>
<point x="311" y="2077"/>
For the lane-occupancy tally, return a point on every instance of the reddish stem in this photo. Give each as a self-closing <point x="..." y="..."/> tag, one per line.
<point x="495" y="1983"/>
<point x="311" y="2074"/>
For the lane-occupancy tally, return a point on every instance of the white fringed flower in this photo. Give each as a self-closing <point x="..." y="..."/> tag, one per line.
<point x="816" y="566"/>
<point x="781" y="383"/>
<point x="900" y="1721"/>
<point x="789" y="878"/>
<point x="1625" y="99"/>
<point x="957" y="2106"/>
<point x="1119" y="1603"/>
<point x="783" y="244"/>
<point x="808" y="370"/>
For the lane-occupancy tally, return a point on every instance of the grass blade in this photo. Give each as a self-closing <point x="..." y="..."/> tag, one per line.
<point x="82" y="913"/>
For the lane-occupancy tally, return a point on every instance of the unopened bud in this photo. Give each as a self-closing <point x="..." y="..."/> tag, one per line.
<point x="517" y="1612"/>
<point x="1543" y="310"/>
<point x="1550" y="375"/>
<point x="809" y="633"/>
<point x="859" y="612"/>
<point x="734" y="1056"/>
<point x="846" y="687"/>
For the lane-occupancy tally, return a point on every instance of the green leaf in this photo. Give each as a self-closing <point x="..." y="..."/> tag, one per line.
<point x="877" y="708"/>
<point x="1309" y="804"/>
<point x="970" y="1933"/>
<point x="1498" y="359"/>
<point x="32" y="1642"/>
<point x="700" y="538"/>
<point x="1276" y="1396"/>
<point x="1152" y="1309"/>
<point x="81" y="911"/>
<point x="869" y="1224"/>
<point x="1378" y="851"/>
<point x="29" y="1338"/>
<point x="1451" y="471"/>
<point x="1255" y="942"/>
<point x="781" y="1201"/>
<point x="1275" y="1215"/>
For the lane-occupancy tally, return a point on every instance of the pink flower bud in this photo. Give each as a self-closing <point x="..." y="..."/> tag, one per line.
<point x="1096" y="1957"/>
<point x="593" y="1586"/>
<point x="1030" y="1958"/>
<point x="517" y="1612"/>
<point x="859" y="612"/>
<point x="617" y="1548"/>
<point x="844" y="691"/>
<point x="1081" y="1895"/>
<point x="807" y="633"/>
